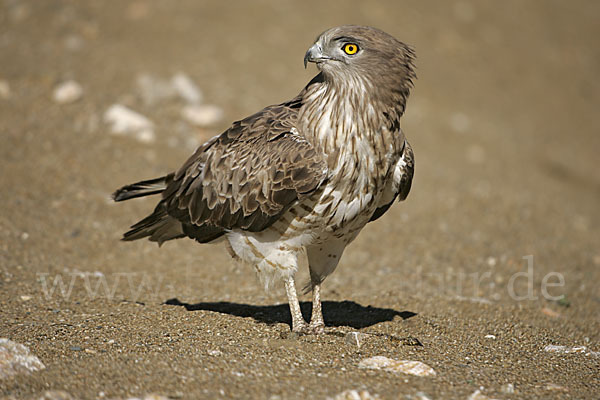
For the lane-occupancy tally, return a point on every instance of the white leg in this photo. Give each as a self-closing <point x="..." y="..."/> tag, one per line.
<point x="322" y="261"/>
<point x="317" y="325"/>
<point x="298" y="323"/>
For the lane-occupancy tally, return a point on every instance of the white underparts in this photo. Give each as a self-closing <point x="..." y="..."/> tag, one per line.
<point x="362" y="174"/>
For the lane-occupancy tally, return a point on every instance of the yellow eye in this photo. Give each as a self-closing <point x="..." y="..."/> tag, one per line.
<point x="350" y="48"/>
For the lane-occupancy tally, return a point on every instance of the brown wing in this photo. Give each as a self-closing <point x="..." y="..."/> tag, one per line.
<point x="246" y="177"/>
<point x="402" y="180"/>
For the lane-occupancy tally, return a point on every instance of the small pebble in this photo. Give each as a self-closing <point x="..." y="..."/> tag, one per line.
<point x="550" y="312"/>
<point x="186" y="88"/>
<point x="405" y="366"/>
<point x="477" y="395"/>
<point x="490" y="337"/>
<point x="17" y="359"/>
<point x="509" y="388"/>
<point x="355" y="338"/>
<point x="556" y="388"/>
<point x="124" y="121"/>
<point x="26" y="298"/>
<point x="354" y="395"/>
<point x="460" y="122"/>
<point x="202" y="115"/>
<point x="151" y="396"/>
<point x="67" y="92"/>
<point x="154" y="90"/>
<point x="145" y="136"/>
<point x="551" y="348"/>
<point x="73" y="42"/>
<point x="75" y="348"/>
<point x="56" y="395"/>
<point x="491" y="261"/>
<point x="4" y="90"/>
<point x="571" y="349"/>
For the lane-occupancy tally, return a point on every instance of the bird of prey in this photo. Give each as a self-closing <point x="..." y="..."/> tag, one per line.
<point x="300" y="177"/>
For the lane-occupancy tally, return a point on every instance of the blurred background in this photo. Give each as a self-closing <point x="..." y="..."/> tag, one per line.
<point x="503" y="120"/>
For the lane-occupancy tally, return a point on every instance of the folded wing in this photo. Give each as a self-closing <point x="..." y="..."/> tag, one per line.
<point x="244" y="178"/>
<point x="399" y="186"/>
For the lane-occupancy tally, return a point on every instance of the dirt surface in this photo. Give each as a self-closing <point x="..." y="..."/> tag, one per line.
<point x="494" y="255"/>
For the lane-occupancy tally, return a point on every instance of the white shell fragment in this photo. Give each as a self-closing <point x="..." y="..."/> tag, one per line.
<point x="422" y="396"/>
<point x="145" y="136"/>
<point x="354" y="395"/>
<point x="556" y="388"/>
<point x="477" y="395"/>
<point x="16" y="359"/>
<point x="508" y="388"/>
<point x="56" y="395"/>
<point x="125" y="121"/>
<point x="186" y="88"/>
<point x="67" y="92"/>
<point x="202" y="115"/>
<point x="405" y="366"/>
<point x="153" y="90"/>
<point x="355" y="338"/>
<point x="150" y="396"/>
<point x="551" y="348"/>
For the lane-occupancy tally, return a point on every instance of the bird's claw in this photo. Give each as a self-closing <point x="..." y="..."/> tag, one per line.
<point x="304" y="329"/>
<point x="316" y="329"/>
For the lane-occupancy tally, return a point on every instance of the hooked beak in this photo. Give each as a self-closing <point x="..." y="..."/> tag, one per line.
<point x="315" y="54"/>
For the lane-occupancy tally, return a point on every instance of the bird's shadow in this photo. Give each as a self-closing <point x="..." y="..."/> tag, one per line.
<point x="335" y="313"/>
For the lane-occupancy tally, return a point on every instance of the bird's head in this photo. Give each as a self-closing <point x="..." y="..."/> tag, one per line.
<point x="348" y="52"/>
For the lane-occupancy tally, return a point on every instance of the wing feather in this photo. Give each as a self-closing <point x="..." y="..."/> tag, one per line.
<point x="246" y="177"/>
<point x="401" y="182"/>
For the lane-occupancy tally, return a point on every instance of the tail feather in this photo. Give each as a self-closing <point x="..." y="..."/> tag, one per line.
<point x="158" y="227"/>
<point x="141" y="189"/>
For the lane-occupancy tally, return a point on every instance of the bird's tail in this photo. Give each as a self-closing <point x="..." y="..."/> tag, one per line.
<point x="158" y="226"/>
<point x="141" y="189"/>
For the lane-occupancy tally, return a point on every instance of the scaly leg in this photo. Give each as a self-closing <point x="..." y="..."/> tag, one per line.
<point x="322" y="261"/>
<point x="298" y="323"/>
<point x="317" y="325"/>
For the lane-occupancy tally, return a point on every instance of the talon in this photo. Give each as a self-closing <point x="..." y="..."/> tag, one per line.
<point x="316" y="329"/>
<point x="302" y="329"/>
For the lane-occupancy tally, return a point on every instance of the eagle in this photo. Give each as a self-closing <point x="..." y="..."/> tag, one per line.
<point x="300" y="178"/>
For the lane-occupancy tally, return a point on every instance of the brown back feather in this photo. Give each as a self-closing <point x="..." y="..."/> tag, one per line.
<point x="246" y="177"/>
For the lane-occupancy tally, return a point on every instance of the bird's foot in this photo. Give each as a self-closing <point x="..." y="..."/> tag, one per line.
<point x="300" y="328"/>
<point x="307" y="329"/>
<point x="316" y="328"/>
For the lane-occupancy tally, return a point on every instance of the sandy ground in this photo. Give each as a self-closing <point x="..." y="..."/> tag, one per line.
<point x="494" y="256"/>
